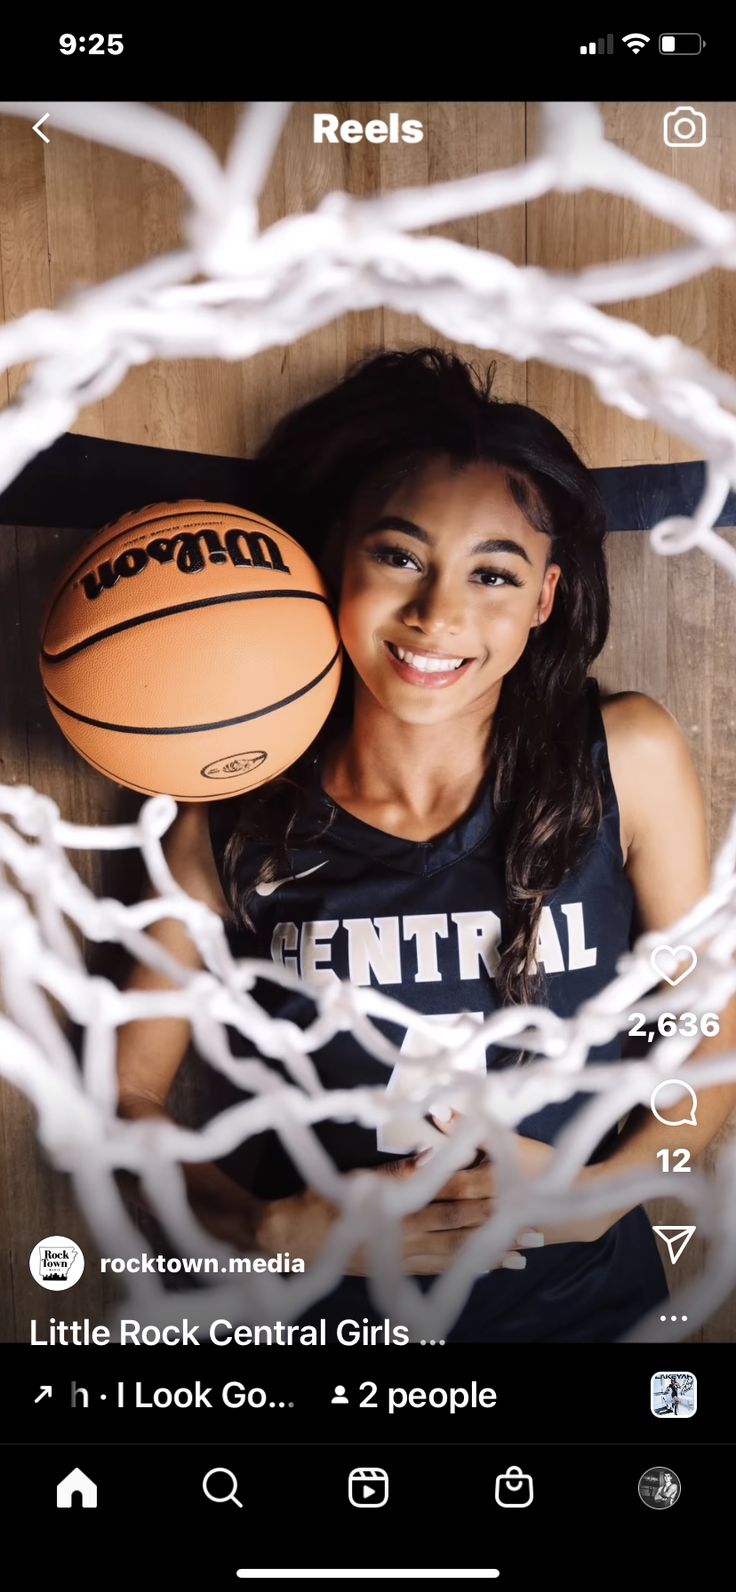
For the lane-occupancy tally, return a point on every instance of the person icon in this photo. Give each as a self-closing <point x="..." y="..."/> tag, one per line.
<point x="659" y="1489"/>
<point x="667" y="1492"/>
<point x="339" y="1397"/>
<point x="673" y="1393"/>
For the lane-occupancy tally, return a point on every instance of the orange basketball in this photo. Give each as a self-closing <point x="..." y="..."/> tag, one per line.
<point x="190" y="650"/>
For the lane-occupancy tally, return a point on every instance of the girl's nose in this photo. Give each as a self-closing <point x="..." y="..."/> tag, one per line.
<point x="437" y="611"/>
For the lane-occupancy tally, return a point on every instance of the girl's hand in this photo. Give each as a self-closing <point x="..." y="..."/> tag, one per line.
<point x="479" y="1182"/>
<point x="301" y="1224"/>
<point x="431" y="1236"/>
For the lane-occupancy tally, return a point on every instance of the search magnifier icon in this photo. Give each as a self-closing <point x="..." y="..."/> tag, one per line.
<point x="231" y="1496"/>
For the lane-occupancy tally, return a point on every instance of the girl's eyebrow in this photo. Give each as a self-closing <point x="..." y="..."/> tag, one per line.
<point x="493" y="544"/>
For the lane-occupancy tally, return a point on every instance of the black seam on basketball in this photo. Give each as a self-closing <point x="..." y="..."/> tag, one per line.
<point x="218" y="514"/>
<point x="175" y="608"/>
<point x="177" y="796"/>
<point x="195" y="729"/>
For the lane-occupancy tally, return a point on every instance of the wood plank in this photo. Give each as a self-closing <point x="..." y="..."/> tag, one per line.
<point x="407" y="166"/>
<point x="17" y="1137"/>
<point x="24" y="240"/>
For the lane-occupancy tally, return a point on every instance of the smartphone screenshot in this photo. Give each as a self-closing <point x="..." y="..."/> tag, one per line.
<point x="367" y="807"/>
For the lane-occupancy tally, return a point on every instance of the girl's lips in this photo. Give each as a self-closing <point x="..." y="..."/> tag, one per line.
<point x="435" y="679"/>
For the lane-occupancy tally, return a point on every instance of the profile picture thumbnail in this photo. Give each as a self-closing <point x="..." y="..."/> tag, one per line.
<point x="56" y="1263"/>
<point x="659" y="1488"/>
<point x="674" y="1395"/>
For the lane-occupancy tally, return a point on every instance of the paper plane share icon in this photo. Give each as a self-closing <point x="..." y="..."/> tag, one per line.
<point x="676" y="1239"/>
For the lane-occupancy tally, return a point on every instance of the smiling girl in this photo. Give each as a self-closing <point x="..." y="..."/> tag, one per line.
<point x="473" y="827"/>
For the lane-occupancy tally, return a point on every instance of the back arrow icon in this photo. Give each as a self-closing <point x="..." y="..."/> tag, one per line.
<point x="39" y="124"/>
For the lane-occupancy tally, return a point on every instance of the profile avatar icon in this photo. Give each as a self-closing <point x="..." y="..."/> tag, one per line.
<point x="56" y="1263"/>
<point x="659" y="1488"/>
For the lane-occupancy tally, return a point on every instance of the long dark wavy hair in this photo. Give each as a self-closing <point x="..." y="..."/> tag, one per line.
<point x="374" y="431"/>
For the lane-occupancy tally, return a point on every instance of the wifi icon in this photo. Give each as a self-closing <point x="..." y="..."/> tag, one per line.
<point x="635" y="41"/>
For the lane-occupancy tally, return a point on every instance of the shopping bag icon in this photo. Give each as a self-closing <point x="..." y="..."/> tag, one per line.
<point x="514" y="1490"/>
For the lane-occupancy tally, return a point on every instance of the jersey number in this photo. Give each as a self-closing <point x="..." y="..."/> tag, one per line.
<point x="402" y="1137"/>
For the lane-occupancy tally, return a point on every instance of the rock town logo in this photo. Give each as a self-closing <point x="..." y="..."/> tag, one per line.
<point x="191" y="552"/>
<point x="56" y="1263"/>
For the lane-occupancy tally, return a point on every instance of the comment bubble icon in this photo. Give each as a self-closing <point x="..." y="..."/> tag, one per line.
<point x="670" y="1092"/>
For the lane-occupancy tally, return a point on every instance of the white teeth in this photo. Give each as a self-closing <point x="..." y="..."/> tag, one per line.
<point x="426" y="665"/>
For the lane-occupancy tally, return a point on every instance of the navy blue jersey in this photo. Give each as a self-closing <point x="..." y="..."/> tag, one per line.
<point x="422" y="920"/>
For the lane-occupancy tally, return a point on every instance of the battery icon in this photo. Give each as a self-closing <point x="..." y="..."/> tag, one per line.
<point x="680" y="44"/>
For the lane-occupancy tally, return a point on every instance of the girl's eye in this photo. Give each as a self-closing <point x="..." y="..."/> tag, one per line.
<point x="399" y="558"/>
<point x="387" y="555"/>
<point x="493" y="577"/>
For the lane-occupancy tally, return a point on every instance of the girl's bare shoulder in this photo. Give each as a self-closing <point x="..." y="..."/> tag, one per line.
<point x="648" y="755"/>
<point x="637" y="725"/>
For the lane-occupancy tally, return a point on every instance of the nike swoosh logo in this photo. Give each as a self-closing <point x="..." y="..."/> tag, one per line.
<point x="268" y="889"/>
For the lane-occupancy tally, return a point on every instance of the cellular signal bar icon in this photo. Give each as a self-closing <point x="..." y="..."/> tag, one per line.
<point x="603" y="47"/>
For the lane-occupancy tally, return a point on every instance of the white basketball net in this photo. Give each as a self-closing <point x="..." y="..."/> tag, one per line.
<point x="264" y="289"/>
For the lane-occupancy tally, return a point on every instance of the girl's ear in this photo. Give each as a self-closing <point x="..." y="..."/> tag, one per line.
<point x="547" y="598"/>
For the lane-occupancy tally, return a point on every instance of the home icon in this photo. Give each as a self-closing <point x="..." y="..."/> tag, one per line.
<point x="75" y="1485"/>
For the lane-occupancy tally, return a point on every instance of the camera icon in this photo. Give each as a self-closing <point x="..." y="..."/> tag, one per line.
<point x="684" y="127"/>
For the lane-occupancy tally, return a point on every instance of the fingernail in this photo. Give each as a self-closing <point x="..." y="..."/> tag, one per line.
<point x="420" y="1159"/>
<point x="514" y="1262"/>
<point x="443" y="1114"/>
<point x="529" y="1240"/>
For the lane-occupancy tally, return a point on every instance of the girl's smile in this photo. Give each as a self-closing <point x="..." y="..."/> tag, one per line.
<point x="428" y="669"/>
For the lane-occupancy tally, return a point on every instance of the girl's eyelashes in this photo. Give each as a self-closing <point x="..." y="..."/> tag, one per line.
<point x="506" y="575"/>
<point x="489" y="577"/>
<point x="383" y="555"/>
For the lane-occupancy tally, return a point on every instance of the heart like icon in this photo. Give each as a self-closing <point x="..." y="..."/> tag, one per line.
<point x="664" y="956"/>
